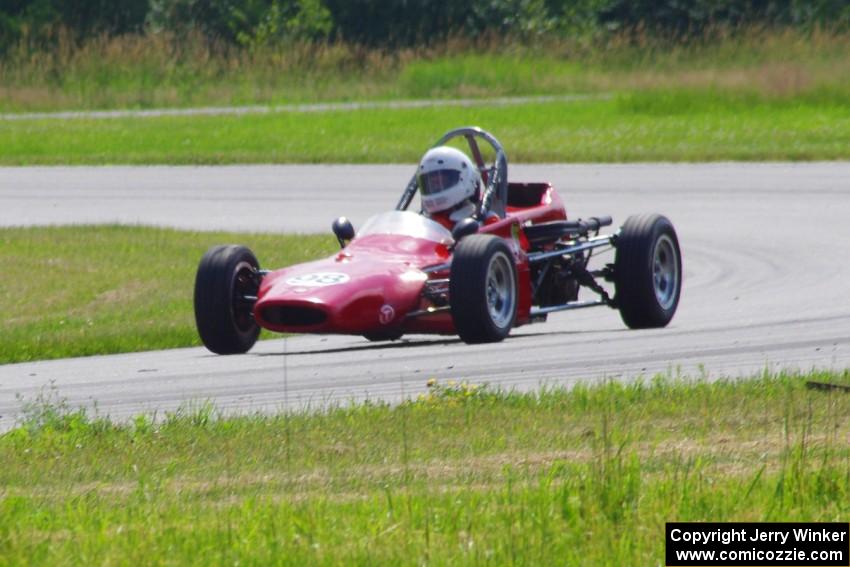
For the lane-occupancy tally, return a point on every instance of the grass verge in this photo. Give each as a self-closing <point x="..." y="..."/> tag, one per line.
<point x="749" y="94"/>
<point x="160" y="71"/>
<point x="463" y="475"/>
<point x="74" y="291"/>
<point x="659" y="126"/>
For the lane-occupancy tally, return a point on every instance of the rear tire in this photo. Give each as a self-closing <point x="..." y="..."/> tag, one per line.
<point x="483" y="289"/>
<point x="223" y="317"/>
<point x="648" y="271"/>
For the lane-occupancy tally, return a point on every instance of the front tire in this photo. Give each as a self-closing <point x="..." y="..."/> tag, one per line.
<point x="382" y="336"/>
<point x="648" y="271"/>
<point x="483" y="289"/>
<point x="223" y="315"/>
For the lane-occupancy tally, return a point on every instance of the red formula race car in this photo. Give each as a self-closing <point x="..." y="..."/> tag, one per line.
<point x="514" y="260"/>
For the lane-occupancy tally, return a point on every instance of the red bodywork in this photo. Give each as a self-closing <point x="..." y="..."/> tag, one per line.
<point x="375" y="284"/>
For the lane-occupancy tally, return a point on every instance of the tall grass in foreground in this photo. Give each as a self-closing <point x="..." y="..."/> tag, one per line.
<point x="463" y="475"/>
<point x="158" y="70"/>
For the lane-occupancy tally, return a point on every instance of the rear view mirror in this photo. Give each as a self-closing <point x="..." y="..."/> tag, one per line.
<point x="464" y="228"/>
<point x="343" y="230"/>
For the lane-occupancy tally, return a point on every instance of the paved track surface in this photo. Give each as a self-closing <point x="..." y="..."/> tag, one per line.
<point x="767" y="283"/>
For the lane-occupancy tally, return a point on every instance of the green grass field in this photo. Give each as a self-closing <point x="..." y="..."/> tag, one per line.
<point x="670" y="126"/>
<point x="156" y="71"/>
<point x="464" y="475"/>
<point x="75" y="291"/>
<point x="755" y="95"/>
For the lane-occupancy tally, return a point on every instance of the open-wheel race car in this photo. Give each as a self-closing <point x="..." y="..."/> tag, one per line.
<point x="512" y="261"/>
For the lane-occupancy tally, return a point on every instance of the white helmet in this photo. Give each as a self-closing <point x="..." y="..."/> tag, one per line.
<point x="446" y="178"/>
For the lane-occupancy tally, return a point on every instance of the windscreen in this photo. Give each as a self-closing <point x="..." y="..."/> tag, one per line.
<point x="437" y="181"/>
<point x="408" y="224"/>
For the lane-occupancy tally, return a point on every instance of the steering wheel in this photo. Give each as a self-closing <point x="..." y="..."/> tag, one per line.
<point x="494" y="177"/>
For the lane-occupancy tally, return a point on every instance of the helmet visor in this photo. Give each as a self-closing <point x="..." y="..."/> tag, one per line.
<point x="437" y="181"/>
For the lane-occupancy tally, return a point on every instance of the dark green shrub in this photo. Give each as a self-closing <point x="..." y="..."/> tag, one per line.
<point x="405" y="22"/>
<point x="692" y="16"/>
<point x="244" y="22"/>
<point x="392" y="23"/>
<point x="39" y="21"/>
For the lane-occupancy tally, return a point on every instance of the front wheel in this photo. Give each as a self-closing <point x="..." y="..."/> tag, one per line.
<point x="483" y="289"/>
<point x="381" y="336"/>
<point x="648" y="271"/>
<point x="226" y="288"/>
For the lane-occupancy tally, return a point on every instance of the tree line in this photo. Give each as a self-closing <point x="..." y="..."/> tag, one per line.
<point x="391" y="23"/>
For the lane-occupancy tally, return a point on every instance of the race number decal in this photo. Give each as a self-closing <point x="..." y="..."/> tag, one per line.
<point x="318" y="279"/>
<point x="386" y="314"/>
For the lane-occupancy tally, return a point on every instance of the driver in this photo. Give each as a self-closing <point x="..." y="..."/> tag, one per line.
<point x="449" y="185"/>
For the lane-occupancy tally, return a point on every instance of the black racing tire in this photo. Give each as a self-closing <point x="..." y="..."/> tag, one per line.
<point x="647" y="271"/>
<point x="483" y="289"/>
<point x="379" y="336"/>
<point x="223" y="317"/>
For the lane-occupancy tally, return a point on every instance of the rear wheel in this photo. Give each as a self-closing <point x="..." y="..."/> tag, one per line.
<point x="226" y="288"/>
<point x="648" y="271"/>
<point x="482" y="289"/>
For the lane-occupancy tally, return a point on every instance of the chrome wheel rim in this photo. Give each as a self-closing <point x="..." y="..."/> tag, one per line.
<point x="500" y="290"/>
<point x="665" y="272"/>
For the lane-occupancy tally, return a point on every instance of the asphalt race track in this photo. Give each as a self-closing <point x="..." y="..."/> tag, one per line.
<point x="767" y="283"/>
